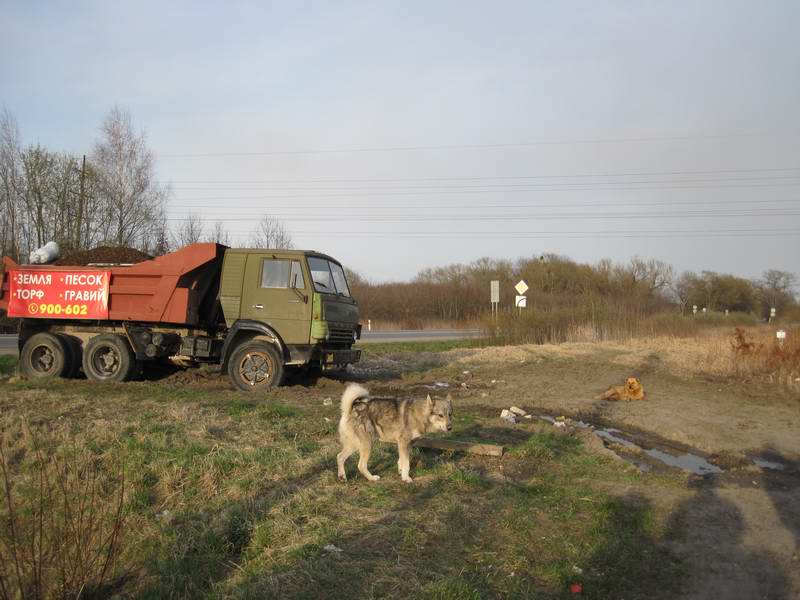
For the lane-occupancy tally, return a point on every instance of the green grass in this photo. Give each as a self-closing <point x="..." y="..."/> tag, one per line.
<point x="230" y="496"/>
<point x="423" y="346"/>
<point x="8" y="365"/>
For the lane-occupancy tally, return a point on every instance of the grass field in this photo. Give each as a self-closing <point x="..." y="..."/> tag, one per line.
<point x="228" y="496"/>
<point x="421" y="346"/>
<point x="224" y="495"/>
<point x="8" y="364"/>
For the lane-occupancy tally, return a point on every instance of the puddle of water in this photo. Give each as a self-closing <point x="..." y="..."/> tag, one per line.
<point x="769" y="464"/>
<point x="688" y="462"/>
<point x="608" y="434"/>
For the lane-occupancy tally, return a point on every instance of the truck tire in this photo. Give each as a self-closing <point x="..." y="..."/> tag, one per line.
<point x="256" y="366"/>
<point x="44" y="356"/>
<point x="108" y="357"/>
<point x="74" y="355"/>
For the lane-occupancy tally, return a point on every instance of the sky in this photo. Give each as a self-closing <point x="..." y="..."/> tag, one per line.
<point x="402" y="135"/>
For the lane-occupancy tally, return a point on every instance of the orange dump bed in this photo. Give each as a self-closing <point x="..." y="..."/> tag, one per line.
<point x="178" y="288"/>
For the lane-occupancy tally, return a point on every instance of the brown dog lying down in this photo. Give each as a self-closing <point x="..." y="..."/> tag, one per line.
<point x="632" y="390"/>
<point x="366" y="420"/>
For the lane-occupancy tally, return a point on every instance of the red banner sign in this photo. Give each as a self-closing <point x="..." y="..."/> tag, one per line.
<point x="58" y="294"/>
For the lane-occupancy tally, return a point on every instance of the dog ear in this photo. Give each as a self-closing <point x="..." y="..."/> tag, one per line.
<point x="429" y="400"/>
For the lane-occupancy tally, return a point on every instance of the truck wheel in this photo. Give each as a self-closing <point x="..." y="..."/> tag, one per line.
<point x="255" y="366"/>
<point x="108" y="357"/>
<point x="74" y="355"/>
<point x="44" y="356"/>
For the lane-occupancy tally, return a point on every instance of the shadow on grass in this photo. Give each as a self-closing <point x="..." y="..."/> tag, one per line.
<point x="709" y="531"/>
<point x="458" y="532"/>
<point x="455" y="534"/>
<point x="206" y="546"/>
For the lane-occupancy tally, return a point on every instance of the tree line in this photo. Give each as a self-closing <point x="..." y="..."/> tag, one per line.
<point x="110" y="197"/>
<point x="460" y="292"/>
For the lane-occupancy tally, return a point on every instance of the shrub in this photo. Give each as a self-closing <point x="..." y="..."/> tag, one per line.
<point x="61" y="526"/>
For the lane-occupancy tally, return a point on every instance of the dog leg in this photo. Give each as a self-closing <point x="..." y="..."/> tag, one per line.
<point x="341" y="458"/>
<point x="403" y="462"/>
<point x="363" y="458"/>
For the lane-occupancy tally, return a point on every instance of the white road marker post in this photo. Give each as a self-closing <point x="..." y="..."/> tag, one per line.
<point x="781" y="336"/>
<point x="494" y="297"/>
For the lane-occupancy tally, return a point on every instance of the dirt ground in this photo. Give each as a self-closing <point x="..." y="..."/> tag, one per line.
<point x="732" y="533"/>
<point x="739" y="530"/>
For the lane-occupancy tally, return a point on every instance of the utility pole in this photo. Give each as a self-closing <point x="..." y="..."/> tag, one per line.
<point x="81" y="203"/>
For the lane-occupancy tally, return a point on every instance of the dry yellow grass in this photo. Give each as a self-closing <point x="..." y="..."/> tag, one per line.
<point x="709" y="353"/>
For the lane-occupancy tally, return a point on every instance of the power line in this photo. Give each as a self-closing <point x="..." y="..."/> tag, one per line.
<point x="329" y="206"/>
<point x="467" y="192"/>
<point x="546" y="235"/>
<point x="550" y="235"/>
<point x="416" y="148"/>
<point x="498" y="186"/>
<point x="502" y="187"/>
<point x="497" y="177"/>
<point x="510" y="217"/>
<point x="740" y="230"/>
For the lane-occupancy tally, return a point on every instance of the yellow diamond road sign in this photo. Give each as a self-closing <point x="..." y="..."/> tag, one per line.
<point x="521" y="287"/>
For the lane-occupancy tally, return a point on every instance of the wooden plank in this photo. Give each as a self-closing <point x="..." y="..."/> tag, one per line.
<point x="471" y="447"/>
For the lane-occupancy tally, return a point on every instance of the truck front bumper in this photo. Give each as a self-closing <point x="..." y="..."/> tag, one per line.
<point x="340" y="357"/>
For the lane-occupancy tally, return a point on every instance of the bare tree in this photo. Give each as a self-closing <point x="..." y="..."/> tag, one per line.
<point x="10" y="184"/>
<point x="776" y="290"/>
<point x="190" y="231"/>
<point x="133" y="199"/>
<point x="161" y="243"/>
<point x="219" y="234"/>
<point x="682" y="288"/>
<point x="271" y="233"/>
<point x="655" y="274"/>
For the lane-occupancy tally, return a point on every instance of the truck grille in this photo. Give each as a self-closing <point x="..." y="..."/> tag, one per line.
<point x="341" y="334"/>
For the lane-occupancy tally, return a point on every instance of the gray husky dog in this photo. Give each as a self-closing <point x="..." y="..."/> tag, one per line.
<point x="365" y="420"/>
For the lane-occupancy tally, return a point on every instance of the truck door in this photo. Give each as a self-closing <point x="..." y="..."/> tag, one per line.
<point x="276" y="292"/>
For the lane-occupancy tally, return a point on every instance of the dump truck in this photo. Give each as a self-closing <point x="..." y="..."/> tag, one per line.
<point x="255" y="312"/>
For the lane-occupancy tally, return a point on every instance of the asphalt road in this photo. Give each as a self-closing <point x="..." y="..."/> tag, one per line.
<point x="8" y="343"/>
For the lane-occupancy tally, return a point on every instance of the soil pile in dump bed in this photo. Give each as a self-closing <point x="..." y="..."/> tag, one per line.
<point x="104" y="255"/>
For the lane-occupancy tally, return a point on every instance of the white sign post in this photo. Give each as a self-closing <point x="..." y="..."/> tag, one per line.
<point x="771" y="314"/>
<point x="521" y="301"/>
<point x="781" y="335"/>
<point x="694" y="309"/>
<point x="494" y="290"/>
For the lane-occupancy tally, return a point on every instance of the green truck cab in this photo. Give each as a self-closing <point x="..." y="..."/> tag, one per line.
<point x="294" y="306"/>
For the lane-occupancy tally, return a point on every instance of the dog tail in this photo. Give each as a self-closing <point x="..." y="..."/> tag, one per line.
<point x="351" y="394"/>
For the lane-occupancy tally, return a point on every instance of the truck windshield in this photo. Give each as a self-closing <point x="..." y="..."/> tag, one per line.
<point x="328" y="276"/>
